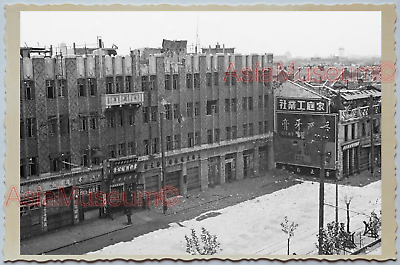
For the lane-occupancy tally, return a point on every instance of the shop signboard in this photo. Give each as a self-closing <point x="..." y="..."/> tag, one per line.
<point x="292" y="143"/>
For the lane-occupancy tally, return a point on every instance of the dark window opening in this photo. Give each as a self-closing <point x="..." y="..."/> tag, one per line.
<point x="244" y="103"/>
<point x="169" y="143"/>
<point x="197" y="109"/>
<point x="250" y="103"/>
<point x="197" y="80"/>
<point x="146" y="147"/>
<point x="216" y="135"/>
<point x="176" y="111"/>
<point x="109" y="85"/>
<point x="122" y="149"/>
<point x="346" y="132"/>
<point x="209" y="137"/>
<point x="81" y="87"/>
<point x="234" y="105"/>
<point x="153" y="83"/>
<point x="92" y="86"/>
<point x="265" y="101"/>
<point x="234" y="132"/>
<point x="128" y="84"/>
<point x="189" y="109"/>
<point x="112" y="152"/>
<point x="167" y="82"/>
<point x="31" y="127"/>
<point x="121" y="118"/>
<point x="168" y="114"/>
<point x="212" y="107"/>
<point x="132" y="118"/>
<point x="177" y="141"/>
<point x="131" y="148"/>
<point x="216" y="79"/>
<point x="29" y="90"/>
<point x="227" y="105"/>
<point x="93" y="123"/>
<point x="209" y="79"/>
<point x="190" y="139"/>
<point x="189" y="81"/>
<point x="83" y="123"/>
<point x="228" y="133"/>
<point x="155" y="146"/>
<point x="32" y="166"/>
<point x="175" y="83"/>
<point x="154" y="112"/>
<point x="111" y="120"/>
<point x="51" y="90"/>
<point x="144" y="83"/>
<point x="197" y="138"/>
<point x="119" y="84"/>
<point x="146" y="114"/>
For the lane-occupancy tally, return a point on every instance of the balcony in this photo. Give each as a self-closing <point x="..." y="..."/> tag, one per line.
<point x="122" y="99"/>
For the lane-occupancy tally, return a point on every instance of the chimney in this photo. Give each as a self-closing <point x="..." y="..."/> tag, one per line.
<point x="223" y="48"/>
<point x="100" y="45"/>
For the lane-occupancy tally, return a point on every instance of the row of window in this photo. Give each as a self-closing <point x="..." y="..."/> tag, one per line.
<point x="54" y="88"/>
<point x="152" y="146"/>
<point x="363" y="130"/>
<point x="192" y="81"/>
<point x="88" y="86"/>
<point x="120" y="118"/>
<point x="119" y="86"/>
<point x="113" y="152"/>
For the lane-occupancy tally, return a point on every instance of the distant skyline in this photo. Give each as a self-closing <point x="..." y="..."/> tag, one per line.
<point x="302" y="33"/>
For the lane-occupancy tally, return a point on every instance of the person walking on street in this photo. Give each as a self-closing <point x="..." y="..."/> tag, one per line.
<point x="128" y="215"/>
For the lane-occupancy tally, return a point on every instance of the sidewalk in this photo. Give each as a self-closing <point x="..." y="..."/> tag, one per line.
<point x="188" y="207"/>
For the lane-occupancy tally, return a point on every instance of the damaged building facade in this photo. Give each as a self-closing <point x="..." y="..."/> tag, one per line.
<point x="92" y="123"/>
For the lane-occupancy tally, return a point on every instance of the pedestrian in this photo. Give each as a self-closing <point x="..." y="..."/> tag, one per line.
<point x="128" y="215"/>
<point x="144" y="204"/>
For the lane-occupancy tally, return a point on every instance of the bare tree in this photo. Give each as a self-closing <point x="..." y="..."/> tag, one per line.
<point x="289" y="230"/>
<point x="348" y="201"/>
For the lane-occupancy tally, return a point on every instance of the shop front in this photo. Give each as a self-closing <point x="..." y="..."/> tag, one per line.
<point x="214" y="171"/>
<point x="54" y="202"/>
<point x="88" y="209"/>
<point x="351" y="161"/>
<point x="122" y="182"/>
<point x="248" y="163"/>
<point x="230" y="167"/>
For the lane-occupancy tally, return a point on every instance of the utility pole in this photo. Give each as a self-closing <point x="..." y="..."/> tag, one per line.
<point x="371" y="114"/>
<point x="337" y="202"/>
<point x="323" y="136"/>
<point x="321" y="195"/>
<point x="163" y="163"/>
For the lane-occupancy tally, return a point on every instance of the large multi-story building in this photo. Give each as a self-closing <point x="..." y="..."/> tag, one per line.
<point x="92" y="122"/>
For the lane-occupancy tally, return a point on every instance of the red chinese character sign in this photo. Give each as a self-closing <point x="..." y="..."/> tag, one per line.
<point x="297" y="139"/>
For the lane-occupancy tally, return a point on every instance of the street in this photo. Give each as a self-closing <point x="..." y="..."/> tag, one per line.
<point x="253" y="227"/>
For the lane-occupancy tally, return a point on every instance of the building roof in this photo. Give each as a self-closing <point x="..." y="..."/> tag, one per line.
<point x="359" y="94"/>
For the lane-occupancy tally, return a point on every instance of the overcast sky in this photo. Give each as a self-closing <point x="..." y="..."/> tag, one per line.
<point x="300" y="33"/>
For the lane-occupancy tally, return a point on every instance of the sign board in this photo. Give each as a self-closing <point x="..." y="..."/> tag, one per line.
<point x="122" y="166"/>
<point x="304" y="105"/>
<point x="292" y="146"/>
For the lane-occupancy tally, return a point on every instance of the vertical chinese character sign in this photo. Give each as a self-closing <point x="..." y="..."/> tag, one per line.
<point x="292" y="145"/>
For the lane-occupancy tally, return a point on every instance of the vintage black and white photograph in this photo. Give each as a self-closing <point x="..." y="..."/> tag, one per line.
<point x="189" y="133"/>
